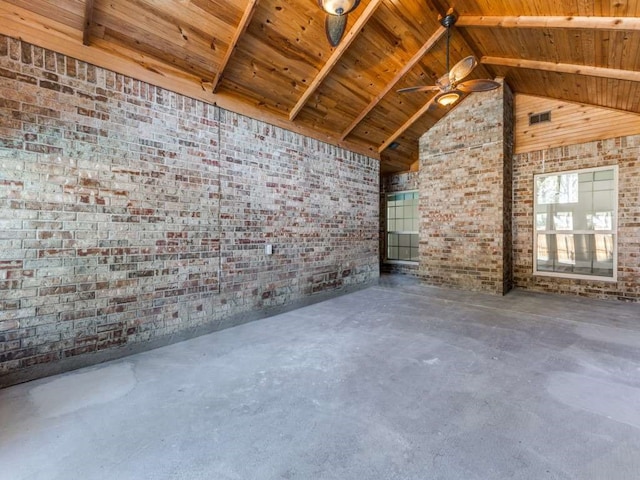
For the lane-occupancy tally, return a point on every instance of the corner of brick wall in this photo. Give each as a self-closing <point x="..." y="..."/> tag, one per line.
<point x="507" y="201"/>
<point x="462" y="196"/>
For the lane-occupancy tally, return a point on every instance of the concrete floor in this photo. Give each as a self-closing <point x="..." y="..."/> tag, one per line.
<point x="398" y="381"/>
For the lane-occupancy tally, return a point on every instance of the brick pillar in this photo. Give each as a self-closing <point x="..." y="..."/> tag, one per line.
<point x="465" y="195"/>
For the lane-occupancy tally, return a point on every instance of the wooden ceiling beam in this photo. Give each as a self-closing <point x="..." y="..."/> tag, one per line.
<point x="335" y="57"/>
<point x="408" y="66"/>
<point x="574" y="69"/>
<point x="32" y="28"/>
<point x="405" y="126"/>
<point x="88" y="20"/>
<point x="242" y="27"/>
<point x="597" y="23"/>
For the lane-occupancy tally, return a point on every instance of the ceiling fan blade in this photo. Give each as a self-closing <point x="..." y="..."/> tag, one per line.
<point x="461" y="69"/>
<point x="423" y="88"/>
<point x="334" y="26"/>
<point x="480" y="85"/>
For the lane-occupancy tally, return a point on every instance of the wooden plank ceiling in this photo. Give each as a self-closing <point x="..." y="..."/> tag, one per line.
<point x="270" y="58"/>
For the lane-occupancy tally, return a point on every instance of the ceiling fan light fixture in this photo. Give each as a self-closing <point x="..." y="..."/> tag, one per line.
<point x="338" y="7"/>
<point x="448" y="99"/>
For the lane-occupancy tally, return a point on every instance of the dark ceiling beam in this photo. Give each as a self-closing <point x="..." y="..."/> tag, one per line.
<point x="570" y="68"/>
<point x="88" y="20"/>
<point x="242" y="27"/>
<point x="592" y="23"/>
<point x="335" y="56"/>
<point x="409" y="65"/>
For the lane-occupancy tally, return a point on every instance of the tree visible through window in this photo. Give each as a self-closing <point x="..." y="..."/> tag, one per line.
<point x="402" y="226"/>
<point x="575" y="216"/>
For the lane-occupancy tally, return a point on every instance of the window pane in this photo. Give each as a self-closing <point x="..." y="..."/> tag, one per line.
<point x="565" y="249"/>
<point x="574" y="217"/>
<point x="603" y="200"/>
<point x="402" y="216"/>
<point x="603" y="249"/>
<point x="603" y="221"/>
<point x="554" y="189"/>
<point x="584" y="253"/>
<point x="603" y="175"/>
<point x="603" y="185"/>
<point x="541" y="221"/>
<point x="563" y="221"/>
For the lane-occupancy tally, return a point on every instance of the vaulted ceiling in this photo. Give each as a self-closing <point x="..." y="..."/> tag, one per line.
<point x="270" y="59"/>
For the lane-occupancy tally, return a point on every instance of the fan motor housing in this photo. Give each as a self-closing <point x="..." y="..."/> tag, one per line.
<point x="448" y="20"/>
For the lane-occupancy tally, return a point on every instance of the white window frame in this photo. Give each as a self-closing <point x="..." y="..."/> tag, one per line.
<point x="613" y="231"/>
<point x="387" y="231"/>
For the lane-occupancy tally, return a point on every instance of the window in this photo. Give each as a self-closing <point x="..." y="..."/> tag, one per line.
<point x="575" y="215"/>
<point x="402" y="226"/>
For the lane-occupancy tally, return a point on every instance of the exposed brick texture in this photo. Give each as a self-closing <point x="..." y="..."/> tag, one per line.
<point x="624" y="152"/>
<point x="395" y="183"/>
<point x="508" y="145"/>
<point x="464" y="184"/>
<point x="130" y="213"/>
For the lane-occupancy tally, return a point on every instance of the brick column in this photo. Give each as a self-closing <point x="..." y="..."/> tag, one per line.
<point x="465" y="195"/>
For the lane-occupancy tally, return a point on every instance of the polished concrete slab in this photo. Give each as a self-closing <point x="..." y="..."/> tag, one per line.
<point x="398" y="381"/>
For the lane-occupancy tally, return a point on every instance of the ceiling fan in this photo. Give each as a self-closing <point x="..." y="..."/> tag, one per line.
<point x="448" y="85"/>
<point x="336" y="19"/>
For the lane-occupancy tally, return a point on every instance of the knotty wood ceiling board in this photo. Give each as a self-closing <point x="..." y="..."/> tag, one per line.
<point x="609" y="49"/>
<point x="179" y="36"/>
<point x="395" y="109"/>
<point x="280" y="53"/>
<point x="377" y="55"/>
<point x="617" y="94"/>
<point x="185" y="45"/>
<point x="67" y="12"/>
<point x="623" y="8"/>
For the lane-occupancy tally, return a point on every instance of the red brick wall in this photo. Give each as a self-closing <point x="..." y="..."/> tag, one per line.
<point x="129" y="213"/>
<point x="624" y="152"/>
<point x="464" y="186"/>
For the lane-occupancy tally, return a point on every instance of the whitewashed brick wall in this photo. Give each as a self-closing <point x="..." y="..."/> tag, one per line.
<point x="129" y="213"/>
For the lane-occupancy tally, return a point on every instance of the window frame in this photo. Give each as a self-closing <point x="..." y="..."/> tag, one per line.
<point x="409" y="232"/>
<point x="613" y="231"/>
